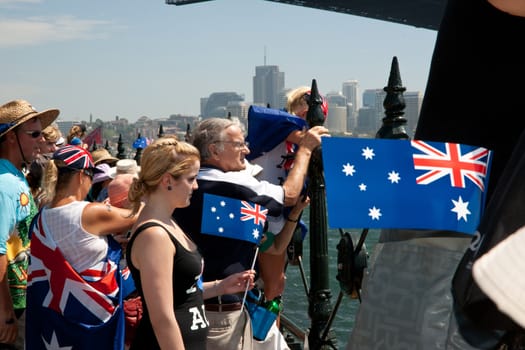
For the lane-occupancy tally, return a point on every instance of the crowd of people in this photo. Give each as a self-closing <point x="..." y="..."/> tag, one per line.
<point x="94" y="223"/>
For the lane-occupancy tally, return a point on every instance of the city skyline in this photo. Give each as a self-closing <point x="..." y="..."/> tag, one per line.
<point x="135" y="59"/>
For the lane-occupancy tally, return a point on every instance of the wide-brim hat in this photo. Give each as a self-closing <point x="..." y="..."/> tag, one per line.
<point x="17" y="112"/>
<point x="125" y="166"/>
<point x="102" y="155"/>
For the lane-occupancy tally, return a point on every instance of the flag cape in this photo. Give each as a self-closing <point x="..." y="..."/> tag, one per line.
<point x="95" y="136"/>
<point x="269" y="127"/>
<point x="70" y="310"/>
<point x="379" y="183"/>
<point x="233" y="218"/>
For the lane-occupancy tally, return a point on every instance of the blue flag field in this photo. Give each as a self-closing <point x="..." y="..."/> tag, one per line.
<point x="381" y="183"/>
<point x="233" y="218"/>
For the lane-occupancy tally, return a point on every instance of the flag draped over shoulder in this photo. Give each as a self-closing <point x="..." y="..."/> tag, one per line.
<point x="269" y="127"/>
<point x="379" y="183"/>
<point x="95" y="136"/>
<point x="233" y="218"/>
<point x="70" y="310"/>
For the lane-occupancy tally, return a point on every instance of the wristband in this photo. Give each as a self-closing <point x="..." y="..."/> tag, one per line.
<point x="291" y="220"/>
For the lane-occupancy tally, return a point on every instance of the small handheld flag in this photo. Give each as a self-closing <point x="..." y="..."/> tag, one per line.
<point x="233" y="218"/>
<point x="381" y="183"/>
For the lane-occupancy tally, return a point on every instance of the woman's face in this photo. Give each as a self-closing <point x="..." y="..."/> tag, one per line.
<point x="185" y="185"/>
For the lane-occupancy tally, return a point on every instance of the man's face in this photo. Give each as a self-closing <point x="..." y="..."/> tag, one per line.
<point x="232" y="150"/>
<point x="30" y="137"/>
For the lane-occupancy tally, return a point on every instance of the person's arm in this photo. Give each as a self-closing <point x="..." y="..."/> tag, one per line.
<point x="512" y="7"/>
<point x="282" y="240"/>
<point x="152" y="246"/>
<point x="104" y="219"/>
<point x="8" y="325"/>
<point x="235" y="283"/>
<point x="294" y="182"/>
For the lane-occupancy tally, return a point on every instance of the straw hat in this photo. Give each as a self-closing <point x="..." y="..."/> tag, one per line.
<point x="499" y="273"/>
<point x="125" y="166"/>
<point x="102" y="155"/>
<point x="17" y="112"/>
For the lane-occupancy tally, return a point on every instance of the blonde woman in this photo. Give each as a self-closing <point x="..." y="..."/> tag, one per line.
<point x="165" y="263"/>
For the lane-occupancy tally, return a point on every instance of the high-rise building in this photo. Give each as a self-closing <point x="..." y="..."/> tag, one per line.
<point x="350" y="90"/>
<point x="268" y="84"/>
<point x="373" y="99"/>
<point x="413" y="101"/>
<point x="336" y="121"/>
<point x="217" y="102"/>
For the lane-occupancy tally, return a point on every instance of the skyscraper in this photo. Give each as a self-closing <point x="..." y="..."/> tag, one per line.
<point x="350" y="90"/>
<point x="268" y="83"/>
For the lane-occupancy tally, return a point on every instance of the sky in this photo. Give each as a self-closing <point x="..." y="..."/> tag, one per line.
<point x="146" y="58"/>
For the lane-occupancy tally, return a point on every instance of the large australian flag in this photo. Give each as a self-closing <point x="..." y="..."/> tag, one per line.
<point x="67" y="309"/>
<point x="233" y="218"/>
<point x="380" y="183"/>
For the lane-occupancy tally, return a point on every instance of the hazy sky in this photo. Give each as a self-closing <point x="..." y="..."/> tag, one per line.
<point x="134" y="58"/>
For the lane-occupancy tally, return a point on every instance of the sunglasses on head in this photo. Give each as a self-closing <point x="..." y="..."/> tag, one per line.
<point x="33" y="133"/>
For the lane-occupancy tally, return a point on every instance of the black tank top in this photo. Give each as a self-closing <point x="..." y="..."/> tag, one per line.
<point x="187" y="293"/>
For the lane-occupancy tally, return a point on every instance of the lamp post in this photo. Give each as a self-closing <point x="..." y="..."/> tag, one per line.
<point x="319" y="305"/>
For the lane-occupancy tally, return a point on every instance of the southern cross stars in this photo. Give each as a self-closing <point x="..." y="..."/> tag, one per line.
<point x="368" y="153"/>
<point x="460" y="208"/>
<point x="348" y="169"/>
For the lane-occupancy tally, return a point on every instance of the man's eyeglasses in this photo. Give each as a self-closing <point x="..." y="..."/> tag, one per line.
<point x="33" y="133"/>
<point x="238" y="144"/>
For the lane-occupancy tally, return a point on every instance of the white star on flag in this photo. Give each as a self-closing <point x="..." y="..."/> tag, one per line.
<point x="460" y="208"/>
<point x="54" y="344"/>
<point x="374" y="213"/>
<point x="394" y="177"/>
<point x="348" y="169"/>
<point x="368" y="153"/>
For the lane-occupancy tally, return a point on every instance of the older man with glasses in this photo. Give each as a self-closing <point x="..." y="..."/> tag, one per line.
<point x="223" y="149"/>
<point x="20" y="140"/>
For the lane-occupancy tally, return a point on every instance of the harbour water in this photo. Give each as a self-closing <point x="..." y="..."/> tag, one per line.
<point x="296" y="300"/>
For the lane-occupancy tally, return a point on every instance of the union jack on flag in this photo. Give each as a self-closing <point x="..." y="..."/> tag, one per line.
<point x="380" y="183"/>
<point x="70" y="308"/>
<point x="232" y="218"/>
<point x="253" y="212"/>
<point x="452" y="163"/>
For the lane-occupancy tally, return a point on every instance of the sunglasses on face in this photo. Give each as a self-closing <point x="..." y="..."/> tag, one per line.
<point x="33" y="133"/>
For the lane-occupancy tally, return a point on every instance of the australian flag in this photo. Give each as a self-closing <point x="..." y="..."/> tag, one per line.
<point x="67" y="309"/>
<point x="380" y="183"/>
<point x="269" y="127"/>
<point x="233" y="218"/>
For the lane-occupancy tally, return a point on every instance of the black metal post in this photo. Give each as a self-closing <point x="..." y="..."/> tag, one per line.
<point x="394" y="123"/>
<point x="138" y="153"/>
<point x="161" y="131"/>
<point x="120" y="148"/>
<point x="319" y="308"/>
